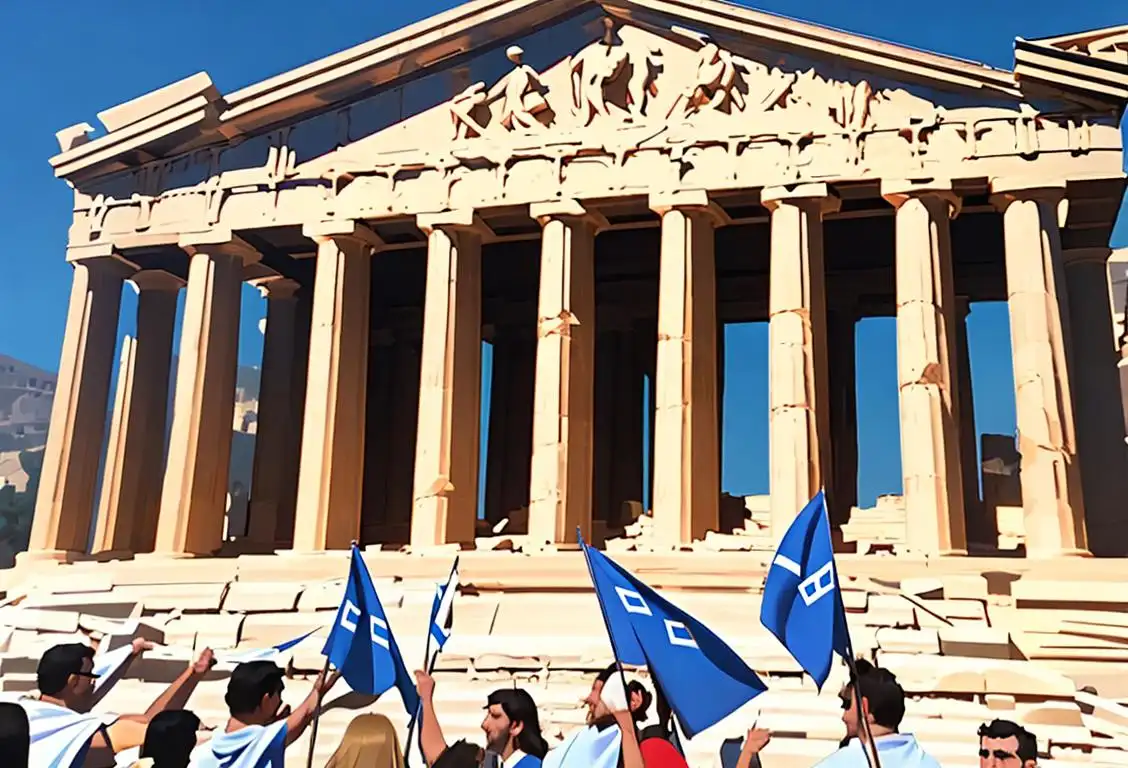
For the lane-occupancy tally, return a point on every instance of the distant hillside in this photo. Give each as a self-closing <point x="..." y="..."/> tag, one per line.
<point x="26" y="394"/>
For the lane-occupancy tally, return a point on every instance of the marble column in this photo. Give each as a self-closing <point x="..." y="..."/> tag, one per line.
<point x="445" y="491"/>
<point x="194" y="493"/>
<point x="65" y="500"/>
<point x="299" y="375"/>
<point x="331" y="475"/>
<point x="686" y="477"/>
<point x="842" y="490"/>
<point x="131" y="482"/>
<point x="1049" y="472"/>
<point x="272" y="463"/>
<point x="560" y="484"/>
<point x="1100" y="434"/>
<point x="980" y="530"/>
<point x="926" y="340"/>
<point x="798" y="364"/>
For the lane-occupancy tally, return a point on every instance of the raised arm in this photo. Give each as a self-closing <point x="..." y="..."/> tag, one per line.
<point x="430" y="732"/>
<point x="177" y="694"/>
<point x="298" y="720"/>
<point x="755" y="741"/>
<point x="632" y="753"/>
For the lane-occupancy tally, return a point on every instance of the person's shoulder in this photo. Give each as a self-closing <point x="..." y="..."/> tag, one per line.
<point x="658" y="752"/>
<point x="845" y="757"/>
<point x="528" y="761"/>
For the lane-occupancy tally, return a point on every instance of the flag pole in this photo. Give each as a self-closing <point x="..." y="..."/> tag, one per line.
<point x="607" y="626"/>
<point x="316" y="715"/>
<point x="428" y="667"/>
<point x="856" y="690"/>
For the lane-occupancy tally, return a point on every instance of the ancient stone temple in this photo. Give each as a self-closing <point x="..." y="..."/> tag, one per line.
<point x="596" y="190"/>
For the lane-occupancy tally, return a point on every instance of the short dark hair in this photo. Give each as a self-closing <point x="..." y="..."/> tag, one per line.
<point x="15" y="734"/>
<point x="460" y="754"/>
<point x="58" y="664"/>
<point x="170" y="738"/>
<point x="1002" y="729"/>
<point x="519" y="707"/>
<point x="633" y="687"/>
<point x="880" y="689"/>
<point x="249" y="682"/>
<point x="605" y="674"/>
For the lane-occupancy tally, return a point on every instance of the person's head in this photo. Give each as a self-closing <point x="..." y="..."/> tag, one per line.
<point x="170" y="738"/>
<point x="65" y="672"/>
<point x="638" y="698"/>
<point x="511" y="723"/>
<point x="370" y="741"/>
<point x="882" y="701"/>
<point x="1003" y="744"/>
<point x="460" y="754"/>
<point x="254" y="692"/>
<point x="15" y="735"/>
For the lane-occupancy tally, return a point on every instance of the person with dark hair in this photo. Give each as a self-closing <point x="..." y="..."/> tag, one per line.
<point x="614" y="708"/>
<point x="876" y="697"/>
<point x="261" y="727"/>
<point x="66" y="683"/>
<point x="15" y="735"/>
<point x="460" y="754"/>
<point x="511" y="726"/>
<point x="1005" y="744"/>
<point x="170" y="738"/>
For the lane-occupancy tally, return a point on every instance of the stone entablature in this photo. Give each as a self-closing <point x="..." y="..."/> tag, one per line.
<point x="631" y="113"/>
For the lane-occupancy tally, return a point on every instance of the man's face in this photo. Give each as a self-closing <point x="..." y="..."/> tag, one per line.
<point x="80" y="687"/>
<point x="596" y="708"/>
<point x="1001" y="753"/>
<point x="850" y="713"/>
<point x="498" y="729"/>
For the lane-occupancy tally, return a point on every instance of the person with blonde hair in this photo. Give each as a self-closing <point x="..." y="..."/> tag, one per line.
<point x="370" y="741"/>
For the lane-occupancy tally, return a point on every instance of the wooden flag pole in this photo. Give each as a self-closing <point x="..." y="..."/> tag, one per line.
<point x="317" y="714"/>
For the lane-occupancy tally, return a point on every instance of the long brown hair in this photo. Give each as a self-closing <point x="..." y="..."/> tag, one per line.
<point x="370" y="741"/>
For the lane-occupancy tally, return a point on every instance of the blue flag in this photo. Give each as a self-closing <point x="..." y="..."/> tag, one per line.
<point x="702" y="678"/>
<point x="442" y="610"/>
<point x="361" y="644"/>
<point x="802" y="602"/>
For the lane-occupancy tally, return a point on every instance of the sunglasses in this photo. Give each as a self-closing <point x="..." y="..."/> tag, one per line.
<point x="845" y="703"/>
<point x="89" y="675"/>
<point x="998" y="754"/>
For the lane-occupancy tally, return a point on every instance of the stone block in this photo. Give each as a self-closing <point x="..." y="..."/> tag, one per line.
<point x="978" y="641"/>
<point x="1000" y="702"/>
<point x="104" y="605"/>
<point x="18" y="683"/>
<point x="958" y="675"/>
<point x="908" y="640"/>
<point x="185" y="597"/>
<point x="39" y="619"/>
<point x="262" y="630"/>
<point x="262" y="597"/>
<point x="208" y="630"/>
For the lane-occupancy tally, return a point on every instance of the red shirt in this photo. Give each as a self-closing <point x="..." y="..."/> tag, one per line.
<point x="659" y="753"/>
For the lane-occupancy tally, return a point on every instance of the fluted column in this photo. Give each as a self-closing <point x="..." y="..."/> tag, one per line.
<point x="273" y="444"/>
<point x="798" y="364"/>
<point x="686" y="479"/>
<point x="445" y="490"/>
<point x="1036" y="296"/>
<point x="930" y="445"/>
<point x="65" y="501"/>
<point x="560" y="485"/>
<point x="194" y="493"/>
<point x="1100" y="434"/>
<point x="331" y="473"/>
<point x="980" y="530"/>
<point x="131" y="484"/>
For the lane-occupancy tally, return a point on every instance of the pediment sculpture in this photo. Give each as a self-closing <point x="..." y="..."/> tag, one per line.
<point x="617" y="81"/>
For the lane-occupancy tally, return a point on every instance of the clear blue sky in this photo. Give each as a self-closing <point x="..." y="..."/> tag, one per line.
<point x="62" y="62"/>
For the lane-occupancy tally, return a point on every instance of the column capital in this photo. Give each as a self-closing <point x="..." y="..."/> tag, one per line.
<point x="102" y="255"/>
<point x="276" y="288"/>
<point x="688" y="200"/>
<point x="342" y="229"/>
<point x="155" y="280"/>
<point x="897" y="192"/>
<point x="818" y="194"/>
<point x="1007" y="189"/>
<point x="462" y="219"/>
<point x="567" y="208"/>
<point x="218" y="241"/>
<point x="1073" y="256"/>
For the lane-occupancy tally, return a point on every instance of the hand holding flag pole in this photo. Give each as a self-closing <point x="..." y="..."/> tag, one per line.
<point x="802" y="604"/>
<point x="442" y="621"/>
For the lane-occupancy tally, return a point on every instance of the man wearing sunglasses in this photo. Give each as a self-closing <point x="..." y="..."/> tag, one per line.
<point x="1003" y="744"/>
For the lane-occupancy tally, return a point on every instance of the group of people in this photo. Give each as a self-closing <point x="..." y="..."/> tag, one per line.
<point x="261" y="727"/>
